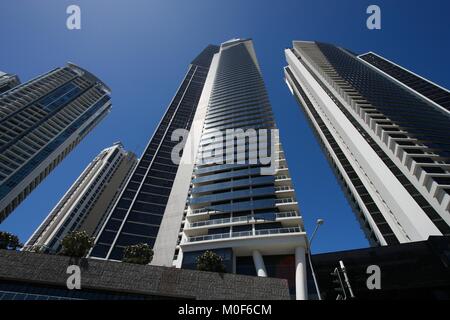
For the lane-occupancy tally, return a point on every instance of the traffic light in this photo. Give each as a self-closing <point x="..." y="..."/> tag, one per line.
<point x="341" y="283"/>
<point x="338" y="285"/>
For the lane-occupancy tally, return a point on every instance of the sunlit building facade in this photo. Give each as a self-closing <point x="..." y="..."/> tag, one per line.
<point x="84" y="207"/>
<point x="227" y="198"/>
<point x="386" y="133"/>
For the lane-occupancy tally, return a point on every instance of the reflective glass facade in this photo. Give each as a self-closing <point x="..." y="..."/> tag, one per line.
<point x="424" y="87"/>
<point x="406" y="132"/>
<point x="137" y="214"/>
<point x="41" y="121"/>
<point x="236" y="207"/>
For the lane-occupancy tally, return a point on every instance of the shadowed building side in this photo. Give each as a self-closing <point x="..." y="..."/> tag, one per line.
<point x="137" y="214"/>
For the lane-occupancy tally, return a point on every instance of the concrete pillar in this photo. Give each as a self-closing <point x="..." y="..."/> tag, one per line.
<point x="259" y="264"/>
<point x="179" y="260"/>
<point x="301" y="288"/>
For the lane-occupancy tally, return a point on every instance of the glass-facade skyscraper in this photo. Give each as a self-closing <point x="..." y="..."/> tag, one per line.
<point x="386" y="133"/>
<point x="41" y="121"/>
<point x="137" y="214"/>
<point x="227" y="198"/>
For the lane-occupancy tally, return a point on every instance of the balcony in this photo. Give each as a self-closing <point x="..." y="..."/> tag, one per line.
<point x="201" y="211"/>
<point x="242" y="234"/>
<point x="244" y="219"/>
<point x="284" y="190"/>
<point x="219" y="221"/>
<point x="282" y="180"/>
<point x="285" y="200"/>
<point x="282" y="169"/>
<point x="286" y="204"/>
<point x="288" y="214"/>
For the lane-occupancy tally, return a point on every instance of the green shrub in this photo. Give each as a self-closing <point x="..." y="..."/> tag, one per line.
<point x="9" y="241"/>
<point x="138" y="254"/>
<point x="210" y="261"/>
<point x="76" y="244"/>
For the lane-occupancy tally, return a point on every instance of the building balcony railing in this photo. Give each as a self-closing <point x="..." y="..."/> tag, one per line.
<point x="220" y="221"/>
<point x="228" y="235"/>
<point x="281" y="177"/>
<point x="200" y="211"/>
<point x="285" y="200"/>
<point x="284" y="188"/>
<point x="277" y="231"/>
<point x="288" y="214"/>
<point x="247" y="219"/>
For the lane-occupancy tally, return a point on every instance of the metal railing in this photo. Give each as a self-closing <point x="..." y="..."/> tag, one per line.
<point x="284" y="188"/>
<point x="228" y="235"/>
<point x="285" y="200"/>
<point x="199" y="211"/>
<point x="287" y="214"/>
<point x="277" y="231"/>
<point x="208" y="237"/>
<point x="247" y="219"/>
<point x="220" y="221"/>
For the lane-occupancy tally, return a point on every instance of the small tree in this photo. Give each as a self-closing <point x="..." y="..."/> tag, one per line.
<point x="9" y="241"/>
<point x="138" y="254"/>
<point x="210" y="261"/>
<point x="76" y="244"/>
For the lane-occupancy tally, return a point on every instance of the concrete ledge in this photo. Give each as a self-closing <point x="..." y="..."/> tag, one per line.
<point x="119" y="277"/>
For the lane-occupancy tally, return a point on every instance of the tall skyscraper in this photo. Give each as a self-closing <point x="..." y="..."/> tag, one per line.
<point x="41" y="121"/>
<point x="8" y="81"/>
<point x="386" y="133"/>
<point x="138" y="212"/>
<point x="85" y="205"/>
<point x="227" y="198"/>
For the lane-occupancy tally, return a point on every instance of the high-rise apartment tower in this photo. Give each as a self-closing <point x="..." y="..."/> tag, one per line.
<point x="41" y="121"/>
<point x="138" y="212"/>
<point x="386" y="133"/>
<point x="233" y="193"/>
<point x="86" y="204"/>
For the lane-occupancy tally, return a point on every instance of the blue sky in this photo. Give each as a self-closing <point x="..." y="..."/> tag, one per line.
<point x="142" y="48"/>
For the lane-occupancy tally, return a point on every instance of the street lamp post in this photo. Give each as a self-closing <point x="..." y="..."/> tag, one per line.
<point x="319" y="222"/>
